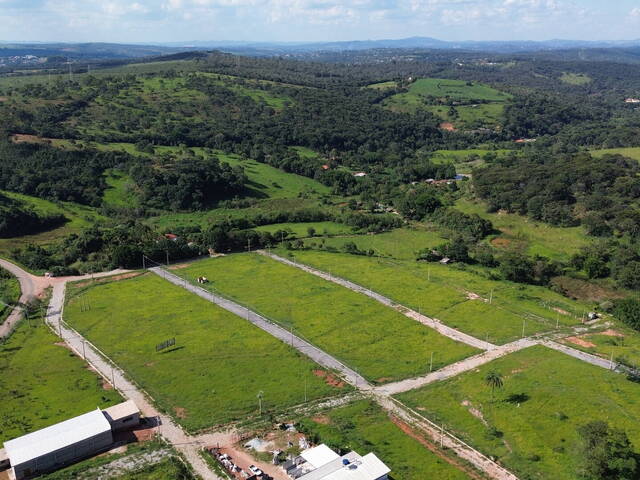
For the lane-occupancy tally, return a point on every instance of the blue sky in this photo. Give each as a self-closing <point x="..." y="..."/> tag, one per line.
<point x="316" y="20"/>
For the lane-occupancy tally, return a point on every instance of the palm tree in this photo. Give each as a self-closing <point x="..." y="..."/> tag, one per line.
<point x="494" y="380"/>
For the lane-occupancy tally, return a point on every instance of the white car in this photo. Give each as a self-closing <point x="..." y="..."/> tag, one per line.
<point x="255" y="470"/>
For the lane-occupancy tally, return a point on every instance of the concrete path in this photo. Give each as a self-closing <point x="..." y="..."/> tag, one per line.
<point x="433" y="323"/>
<point x="320" y="357"/>
<point x="585" y="357"/>
<point x="455" y="368"/>
<point x="187" y="445"/>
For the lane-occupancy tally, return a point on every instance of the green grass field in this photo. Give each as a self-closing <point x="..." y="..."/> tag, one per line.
<point x="383" y="345"/>
<point x="43" y="383"/>
<point x="120" y="191"/>
<point x="402" y="243"/>
<point x="430" y="93"/>
<point x="217" y="368"/>
<point x="457" y="297"/>
<point x="546" y="396"/>
<point x="631" y="152"/>
<point x="364" y="427"/>
<point x="529" y="236"/>
<point x="383" y="85"/>
<point x="466" y="160"/>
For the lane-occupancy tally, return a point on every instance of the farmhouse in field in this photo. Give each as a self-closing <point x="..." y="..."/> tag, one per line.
<point x="632" y="100"/>
<point x="67" y="442"/>
<point x="322" y="463"/>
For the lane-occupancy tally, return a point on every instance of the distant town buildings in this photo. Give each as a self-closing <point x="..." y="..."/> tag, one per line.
<point x="632" y="100"/>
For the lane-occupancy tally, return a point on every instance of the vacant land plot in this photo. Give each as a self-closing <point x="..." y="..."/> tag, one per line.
<point x="460" y="298"/>
<point x="619" y="343"/>
<point x="534" y="238"/>
<point x="43" y="383"/>
<point x="481" y="115"/>
<point x="631" y="152"/>
<point x="383" y="345"/>
<point x="530" y="424"/>
<point x="364" y="427"/>
<point x="220" y="362"/>
<point x="383" y="85"/>
<point x="466" y="160"/>
<point x="402" y="243"/>
<point x="120" y="191"/>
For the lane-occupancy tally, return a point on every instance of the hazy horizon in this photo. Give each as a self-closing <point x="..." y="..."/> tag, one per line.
<point x="185" y="21"/>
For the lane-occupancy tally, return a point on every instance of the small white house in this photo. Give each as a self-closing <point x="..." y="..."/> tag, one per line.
<point x="322" y="463"/>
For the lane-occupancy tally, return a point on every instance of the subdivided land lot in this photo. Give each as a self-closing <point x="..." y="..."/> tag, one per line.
<point x="382" y="344"/>
<point x="531" y="423"/>
<point x="219" y="364"/>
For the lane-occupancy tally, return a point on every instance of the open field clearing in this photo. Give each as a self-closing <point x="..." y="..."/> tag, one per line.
<point x="530" y="424"/>
<point x="380" y="343"/>
<point x="577" y="79"/>
<point x="401" y="243"/>
<point x="487" y="114"/>
<point x="364" y="427"/>
<point x="466" y="160"/>
<point x="43" y="383"/>
<point x="457" y="297"/>
<point x="631" y="152"/>
<point x="217" y="367"/>
<point x="529" y="236"/>
<point x="383" y="85"/>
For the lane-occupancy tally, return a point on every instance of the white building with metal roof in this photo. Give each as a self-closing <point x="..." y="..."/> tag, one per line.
<point x="322" y="463"/>
<point x="58" y="445"/>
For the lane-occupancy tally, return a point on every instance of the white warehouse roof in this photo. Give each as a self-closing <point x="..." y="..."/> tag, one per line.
<point x="319" y="456"/>
<point x="53" y="438"/>
<point x="369" y="467"/>
<point x="121" y="410"/>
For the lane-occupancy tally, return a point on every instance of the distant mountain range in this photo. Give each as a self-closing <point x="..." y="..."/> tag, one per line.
<point x="123" y="51"/>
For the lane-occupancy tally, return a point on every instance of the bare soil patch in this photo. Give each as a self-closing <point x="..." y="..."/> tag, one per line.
<point x="321" y="419"/>
<point x="432" y="447"/>
<point x="580" y="342"/>
<point x="180" y="412"/>
<point x="501" y="242"/>
<point x="612" y="333"/>
<point x="4" y="99"/>
<point x="178" y="266"/>
<point x="24" y="138"/>
<point x="473" y="296"/>
<point x="561" y="311"/>
<point x="474" y="411"/>
<point x="329" y="378"/>
<point x="447" y="126"/>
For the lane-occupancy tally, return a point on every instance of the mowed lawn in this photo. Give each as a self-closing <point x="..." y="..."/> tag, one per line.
<point x="459" y="298"/>
<point x="546" y="396"/>
<point x="364" y="427"/>
<point x="43" y="383"/>
<point x="382" y="344"/>
<point x="529" y="236"/>
<point x="220" y="362"/>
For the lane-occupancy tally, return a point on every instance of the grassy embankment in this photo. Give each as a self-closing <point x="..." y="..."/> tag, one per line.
<point x="383" y="345"/>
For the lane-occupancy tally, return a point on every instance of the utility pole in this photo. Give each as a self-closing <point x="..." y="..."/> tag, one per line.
<point x="260" y="394"/>
<point x="557" y="320"/>
<point x="113" y="378"/>
<point x="167" y="251"/>
<point x="491" y="297"/>
<point x="144" y="265"/>
<point x="249" y="245"/>
<point x="523" y="324"/>
<point x="611" y="361"/>
<point x="84" y="355"/>
<point x="431" y="363"/>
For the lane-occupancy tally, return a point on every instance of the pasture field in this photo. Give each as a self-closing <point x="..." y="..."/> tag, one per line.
<point x="305" y="152"/>
<point x="216" y="369"/>
<point x="527" y="235"/>
<point x="481" y="104"/>
<point x="382" y="344"/>
<point x="120" y="191"/>
<point x="577" y="79"/>
<point x="530" y="424"/>
<point x="276" y="102"/>
<point x="631" y="152"/>
<point x="301" y="230"/>
<point x="459" y="298"/>
<point x="79" y="216"/>
<point x="619" y="343"/>
<point x="43" y="383"/>
<point x="466" y="160"/>
<point x="9" y="292"/>
<point x="401" y="243"/>
<point x="383" y="85"/>
<point x="364" y="427"/>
